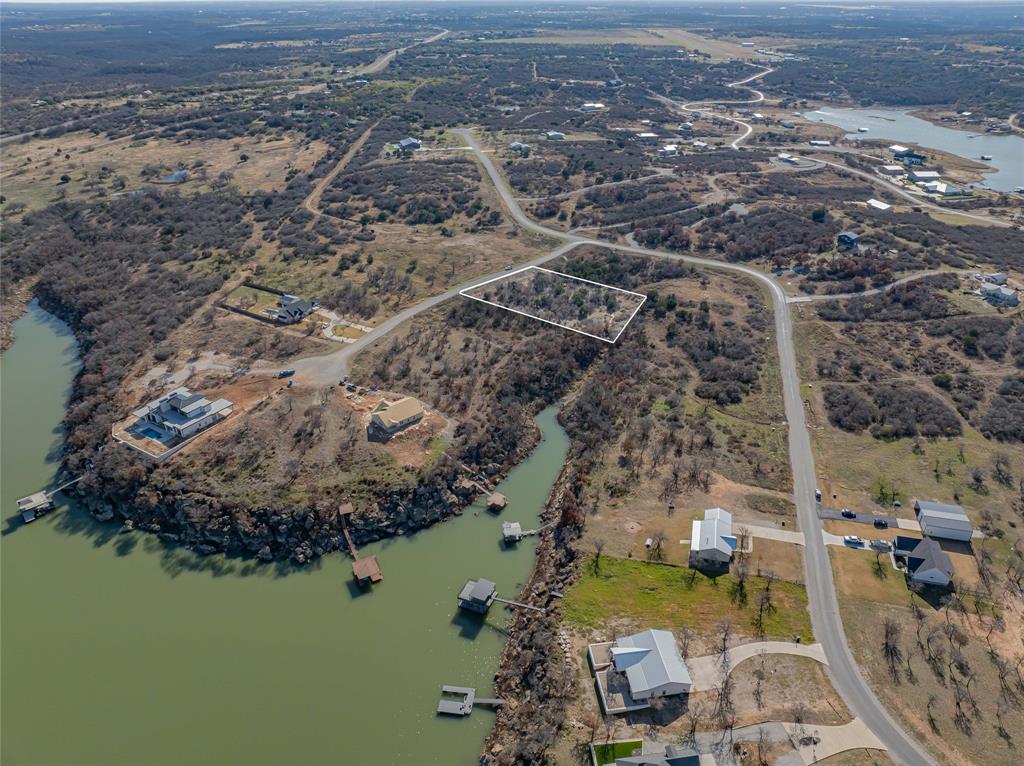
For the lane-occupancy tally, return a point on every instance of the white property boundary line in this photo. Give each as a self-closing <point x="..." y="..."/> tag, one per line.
<point x="465" y="293"/>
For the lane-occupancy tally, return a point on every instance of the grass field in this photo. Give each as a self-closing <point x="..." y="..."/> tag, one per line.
<point x="648" y="595"/>
<point x="608" y="753"/>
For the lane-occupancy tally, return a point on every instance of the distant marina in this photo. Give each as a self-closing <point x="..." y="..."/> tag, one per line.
<point x="1003" y="152"/>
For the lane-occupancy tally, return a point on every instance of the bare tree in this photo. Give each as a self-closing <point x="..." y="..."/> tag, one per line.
<point x="657" y="550"/>
<point x="930" y="711"/>
<point x="891" y="648"/>
<point x="598" y="549"/>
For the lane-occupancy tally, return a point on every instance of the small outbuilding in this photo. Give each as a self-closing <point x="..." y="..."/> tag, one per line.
<point x="497" y="502"/>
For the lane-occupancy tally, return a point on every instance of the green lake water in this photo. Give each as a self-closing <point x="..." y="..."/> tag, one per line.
<point x="119" y="650"/>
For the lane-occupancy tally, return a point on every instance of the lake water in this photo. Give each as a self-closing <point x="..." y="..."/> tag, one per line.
<point x="1007" y="151"/>
<point x="119" y="650"/>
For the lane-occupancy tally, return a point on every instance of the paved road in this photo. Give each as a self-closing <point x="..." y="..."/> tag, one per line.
<point x="876" y="290"/>
<point x="380" y="63"/>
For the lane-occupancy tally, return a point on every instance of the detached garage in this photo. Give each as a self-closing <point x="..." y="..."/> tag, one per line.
<point x="941" y="520"/>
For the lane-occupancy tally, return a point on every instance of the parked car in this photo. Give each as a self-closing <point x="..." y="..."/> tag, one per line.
<point x="285" y="373"/>
<point x="881" y="545"/>
<point x="853" y="540"/>
<point x="848" y="514"/>
<point x="817" y="495"/>
<point x="882" y="523"/>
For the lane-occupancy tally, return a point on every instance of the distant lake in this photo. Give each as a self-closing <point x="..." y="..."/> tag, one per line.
<point x="1007" y="151"/>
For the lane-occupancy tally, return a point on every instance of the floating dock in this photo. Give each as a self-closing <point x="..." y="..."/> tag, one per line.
<point x="459" y="700"/>
<point x="35" y="505"/>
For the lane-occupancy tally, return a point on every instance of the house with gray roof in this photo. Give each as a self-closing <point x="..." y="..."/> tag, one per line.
<point x="409" y="144"/>
<point x="943" y="520"/>
<point x="925" y="560"/>
<point x="292" y="309"/>
<point x="672" y="755"/>
<point x="711" y="540"/>
<point x="633" y="670"/>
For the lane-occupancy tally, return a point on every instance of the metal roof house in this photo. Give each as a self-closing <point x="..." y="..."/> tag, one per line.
<point x="999" y="294"/>
<point x="711" y="540"/>
<point x="673" y="755"/>
<point x="633" y="670"/>
<point x="554" y="135"/>
<point x="409" y="144"/>
<point x="477" y="595"/>
<point x="182" y="413"/>
<point x="926" y="561"/>
<point x="591" y="106"/>
<point x="651" y="664"/>
<point x="943" y="520"/>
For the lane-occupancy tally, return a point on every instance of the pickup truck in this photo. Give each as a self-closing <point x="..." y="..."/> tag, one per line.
<point x="853" y="540"/>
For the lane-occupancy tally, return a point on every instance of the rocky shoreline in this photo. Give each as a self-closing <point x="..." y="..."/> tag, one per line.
<point x="209" y="525"/>
<point x="533" y="673"/>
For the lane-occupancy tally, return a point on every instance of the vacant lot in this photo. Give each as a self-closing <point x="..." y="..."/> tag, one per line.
<point x="638" y="595"/>
<point x="601" y="311"/>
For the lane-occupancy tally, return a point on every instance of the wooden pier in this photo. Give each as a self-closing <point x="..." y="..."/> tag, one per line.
<point x="35" y="505"/>
<point x="450" y="703"/>
<point x="366" y="571"/>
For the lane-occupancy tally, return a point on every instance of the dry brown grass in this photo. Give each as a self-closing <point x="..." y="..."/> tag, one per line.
<point x="31" y="171"/>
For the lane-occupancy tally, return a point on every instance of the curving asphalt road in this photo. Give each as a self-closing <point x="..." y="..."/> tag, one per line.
<point x="821" y="596"/>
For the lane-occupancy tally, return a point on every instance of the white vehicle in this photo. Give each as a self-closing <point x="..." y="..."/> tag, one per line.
<point x="853" y="540"/>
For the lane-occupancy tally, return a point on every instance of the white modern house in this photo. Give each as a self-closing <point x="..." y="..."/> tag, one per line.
<point x="633" y="670"/>
<point x="711" y="540"/>
<point x="668" y="150"/>
<point x="591" y="106"/>
<point x="181" y="413"/>
<point x="943" y="520"/>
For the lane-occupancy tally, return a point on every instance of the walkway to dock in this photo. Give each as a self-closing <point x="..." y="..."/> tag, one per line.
<point x="448" y="705"/>
<point x="365" y="570"/>
<point x="32" y="506"/>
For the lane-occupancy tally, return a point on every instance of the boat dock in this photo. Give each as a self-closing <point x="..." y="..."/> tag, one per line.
<point x="366" y="571"/>
<point x="478" y="595"/>
<point x="459" y="700"/>
<point x="35" y="505"/>
<point x="513" y="532"/>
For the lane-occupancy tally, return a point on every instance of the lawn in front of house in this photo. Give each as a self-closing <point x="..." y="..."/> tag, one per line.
<point x="648" y="595"/>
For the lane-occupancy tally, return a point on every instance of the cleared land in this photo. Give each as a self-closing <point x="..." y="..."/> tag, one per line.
<point x="660" y="36"/>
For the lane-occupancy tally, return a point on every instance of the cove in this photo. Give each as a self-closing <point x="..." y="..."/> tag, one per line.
<point x="1007" y="151"/>
<point x="120" y="650"/>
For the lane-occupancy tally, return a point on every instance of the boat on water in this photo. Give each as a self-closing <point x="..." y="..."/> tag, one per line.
<point x="863" y="130"/>
<point x="986" y="157"/>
